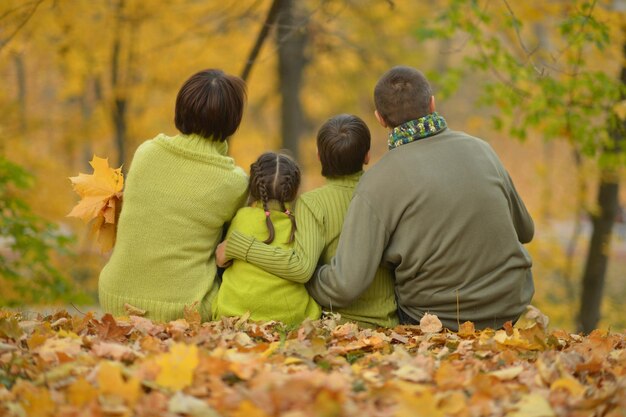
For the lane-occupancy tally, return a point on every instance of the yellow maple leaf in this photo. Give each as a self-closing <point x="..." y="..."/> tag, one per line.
<point x="37" y="402"/>
<point x="96" y="189"/>
<point x="101" y="195"/>
<point x="248" y="409"/>
<point x="570" y="384"/>
<point x="177" y="366"/>
<point x="452" y="403"/>
<point x="81" y="392"/>
<point x="423" y="404"/>
<point x="532" y="405"/>
<point x="507" y="374"/>
<point x="112" y="383"/>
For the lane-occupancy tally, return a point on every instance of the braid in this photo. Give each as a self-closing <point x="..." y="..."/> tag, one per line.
<point x="274" y="177"/>
<point x="290" y="182"/>
<point x="268" y="220"/>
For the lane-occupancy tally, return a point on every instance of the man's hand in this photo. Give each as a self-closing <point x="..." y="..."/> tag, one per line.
<point x="220" y="256"/>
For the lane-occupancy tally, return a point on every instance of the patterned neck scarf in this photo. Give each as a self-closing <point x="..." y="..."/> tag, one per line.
<point x="413" y="130"/>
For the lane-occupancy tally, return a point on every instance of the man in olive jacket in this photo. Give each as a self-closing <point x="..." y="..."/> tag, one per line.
<point x="441" y="211"/>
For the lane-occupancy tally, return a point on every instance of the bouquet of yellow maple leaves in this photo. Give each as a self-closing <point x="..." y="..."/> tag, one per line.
<point x="101" y="200"/>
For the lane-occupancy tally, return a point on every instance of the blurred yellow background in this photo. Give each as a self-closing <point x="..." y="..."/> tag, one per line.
<point x="65" y="64"/>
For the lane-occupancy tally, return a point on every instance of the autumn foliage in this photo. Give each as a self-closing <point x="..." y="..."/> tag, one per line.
<point x="101" y="200"/>
<point x="84" y="365"/>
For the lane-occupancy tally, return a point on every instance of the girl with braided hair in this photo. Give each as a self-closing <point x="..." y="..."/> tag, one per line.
<point x="274" y="183"/>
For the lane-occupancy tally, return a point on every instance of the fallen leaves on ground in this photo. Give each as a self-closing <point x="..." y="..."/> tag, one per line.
<point x="84" y="365"/>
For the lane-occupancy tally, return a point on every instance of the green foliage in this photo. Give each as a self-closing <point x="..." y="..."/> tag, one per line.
<point x="28" y="246"/>
<point x="552" y="87"/>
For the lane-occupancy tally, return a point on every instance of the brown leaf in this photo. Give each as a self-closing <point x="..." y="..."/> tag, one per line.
<point x="108" y="329"/>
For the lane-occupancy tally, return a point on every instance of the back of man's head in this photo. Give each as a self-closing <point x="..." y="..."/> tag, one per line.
<point x="343" y="143"/>
<point x="402" y="94"/>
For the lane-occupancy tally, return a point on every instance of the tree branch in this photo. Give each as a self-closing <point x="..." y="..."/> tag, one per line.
<point x="265" y="29"/>
<point x="517" y="30"/>
<point x="30" y="14"/>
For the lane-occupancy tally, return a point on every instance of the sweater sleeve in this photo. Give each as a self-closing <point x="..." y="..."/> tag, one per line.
<point x="523" y="222"/>
<point x="297" y="264"/>
<point x="361" y="245"/>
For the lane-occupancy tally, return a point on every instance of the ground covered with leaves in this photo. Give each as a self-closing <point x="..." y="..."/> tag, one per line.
<point x="89" y="365"/>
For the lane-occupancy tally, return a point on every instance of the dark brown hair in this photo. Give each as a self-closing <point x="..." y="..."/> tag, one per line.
<point x="402" y="94"/>
<point x="210" y="104"/>
<point x="275" y="176"/>
<point x="342" y="143"/>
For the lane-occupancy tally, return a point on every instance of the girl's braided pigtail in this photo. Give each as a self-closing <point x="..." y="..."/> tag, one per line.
<point x="268" y="220"/>
<point x="293" y="222"/>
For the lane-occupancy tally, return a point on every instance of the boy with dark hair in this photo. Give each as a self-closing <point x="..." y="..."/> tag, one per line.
<point x="343" y="144"/>
<point x="440" y="208"/>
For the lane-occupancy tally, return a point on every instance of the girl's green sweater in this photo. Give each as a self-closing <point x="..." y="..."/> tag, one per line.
<point x="320" y="215"/>
<point x="179" y="194"/>
<point x="247" y="288"/>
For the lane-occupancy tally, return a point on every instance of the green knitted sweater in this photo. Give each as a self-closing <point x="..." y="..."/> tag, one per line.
<point x="180" y="192"/>
<point x="247" y="288"/>
<point x="320" y="214"/>
<point x="444" y="211"/>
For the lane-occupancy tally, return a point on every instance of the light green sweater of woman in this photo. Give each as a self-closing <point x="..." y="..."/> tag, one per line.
<point x="320" y="215"/>
<point x="179" y="194"/>
<point x="248" y="289"/>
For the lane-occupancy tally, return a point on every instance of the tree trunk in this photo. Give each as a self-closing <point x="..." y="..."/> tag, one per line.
<point x="597" y="257"/>
<point x="291" y="40"/>
<point x="20" y="71"/>
<point x="603" y="221"/>
<point x="118" y="110"/>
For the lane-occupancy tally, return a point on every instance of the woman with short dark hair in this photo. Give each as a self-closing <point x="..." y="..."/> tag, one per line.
<point x="180" y="192"/>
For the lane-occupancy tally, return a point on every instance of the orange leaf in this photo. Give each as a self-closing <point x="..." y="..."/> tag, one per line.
<point x="467" y="329"/>
<point x="247" y="409"/>
<point x="449" y="377"/>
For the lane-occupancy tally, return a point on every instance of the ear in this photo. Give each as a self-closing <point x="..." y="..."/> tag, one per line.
<point x="380" y="119"/>
<point x="431" y="105"/>
<point x="318" y="154"/>
<point x="366" y="160"/>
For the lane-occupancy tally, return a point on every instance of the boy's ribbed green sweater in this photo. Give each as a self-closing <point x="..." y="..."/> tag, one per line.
<point x="247" y="288"/>
<point x="320" y="214"/>
<point x="179" y="193"/>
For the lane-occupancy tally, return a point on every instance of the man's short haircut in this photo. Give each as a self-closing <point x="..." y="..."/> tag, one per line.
<point x="210" y="104"/>
<point x="343" y="142"/>
<point x="402" y="94"/>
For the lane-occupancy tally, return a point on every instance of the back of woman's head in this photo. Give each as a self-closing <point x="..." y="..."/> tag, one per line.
<point x="275" y="176"/>
<point x="210" y="104"/>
